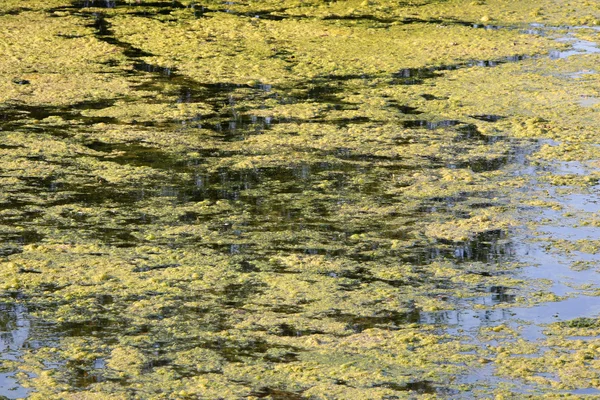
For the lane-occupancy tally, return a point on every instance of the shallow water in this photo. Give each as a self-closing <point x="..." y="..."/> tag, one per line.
<point x="351" y="235"/>
<point x="14" y="336"/>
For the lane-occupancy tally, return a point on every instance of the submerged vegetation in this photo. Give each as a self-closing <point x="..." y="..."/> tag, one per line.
<point x="299" y="199"/>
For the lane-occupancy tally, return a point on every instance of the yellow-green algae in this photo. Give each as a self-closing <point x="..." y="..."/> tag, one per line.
<point x="196" y="259"/>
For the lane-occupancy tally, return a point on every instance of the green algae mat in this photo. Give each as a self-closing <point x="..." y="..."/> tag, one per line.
<point x="299" y="199"/>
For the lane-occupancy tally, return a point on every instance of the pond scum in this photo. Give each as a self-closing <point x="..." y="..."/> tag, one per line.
<point x="299" y="199"/>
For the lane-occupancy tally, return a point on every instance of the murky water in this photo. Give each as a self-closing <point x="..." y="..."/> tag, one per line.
<point x="354" y="236"/>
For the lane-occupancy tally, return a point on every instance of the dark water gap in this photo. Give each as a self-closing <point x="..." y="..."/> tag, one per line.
<point x="15" y="11"/>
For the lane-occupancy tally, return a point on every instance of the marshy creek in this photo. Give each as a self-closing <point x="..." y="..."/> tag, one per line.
<point x="299" y="199"/>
